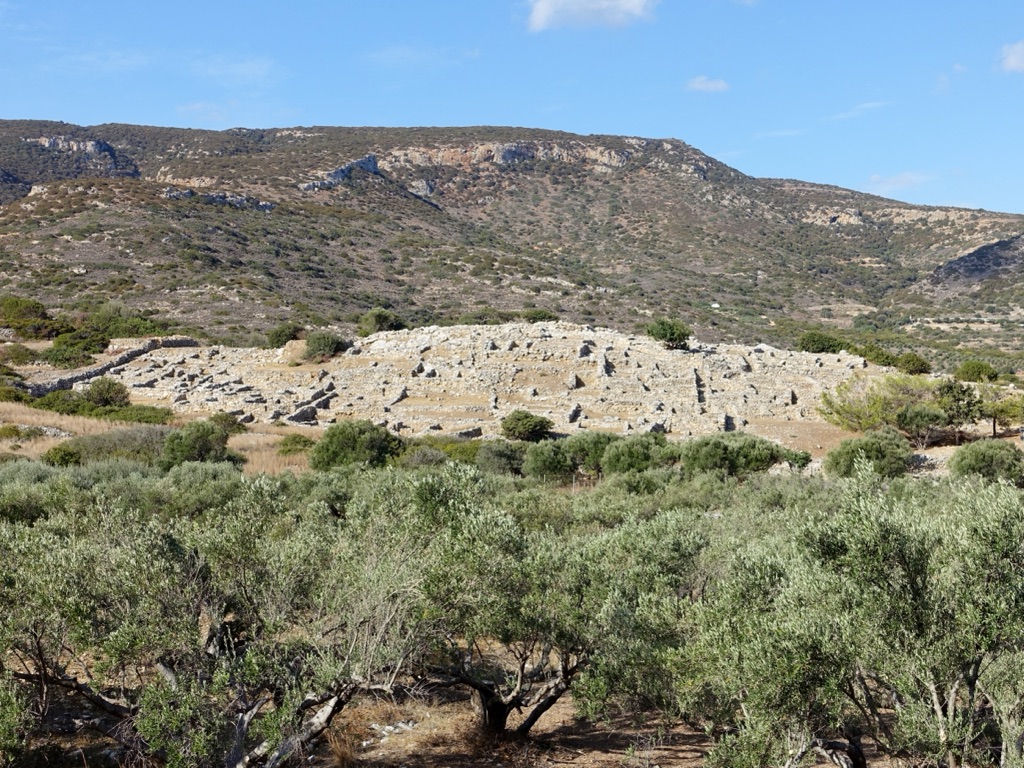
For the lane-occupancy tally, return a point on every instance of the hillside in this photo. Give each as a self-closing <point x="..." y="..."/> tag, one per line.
<point x="228" y="233"/>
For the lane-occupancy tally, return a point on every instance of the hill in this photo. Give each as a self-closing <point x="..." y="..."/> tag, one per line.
<point x="231" y="232"/>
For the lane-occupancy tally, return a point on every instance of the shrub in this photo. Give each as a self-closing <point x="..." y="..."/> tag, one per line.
<point x="538" y="315"/>
<point x="500" y="457"/>
<point x="586" y="450"/>
<point x="281" y="334"/>
<point x="105" y="392"/>
<point x="975" y="370"/>
<point x="17" y="354"/>
<point x="920" y="422"/>
<point x="674" y="334"/>
<point x="991" y="459"/>
<point x="523" y="425"/>
<point x="228" y="422"/>
<point x="735" y="453"/>
<point x="66" y="357"/>
<point x="423" y="456"/>
<point x="913" y="363"/>
<point x="547" y="460"/>
<point x="460" y="449"/>
<point x="295" y="443"/>
<point x="323" y="345"/>
<point x="875" y="354"/>
<point x="196" y="441"/>
<point x="886" y="449"/>
<point x="62" y="455"/>
<point x="12" y="394"/>
<point x="819" y="343"/>
<point x="635" y="454"/>
<point x="353" y="442"/>
<point x="144" y="444"/>
<point x="380" y="319"/>
<point x="138" y="414"/>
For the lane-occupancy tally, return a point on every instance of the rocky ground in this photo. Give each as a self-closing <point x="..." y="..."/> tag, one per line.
<point x="463" y="380"/>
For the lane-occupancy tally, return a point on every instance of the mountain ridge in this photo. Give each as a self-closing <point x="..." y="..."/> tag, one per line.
<point x="596" y="229"/>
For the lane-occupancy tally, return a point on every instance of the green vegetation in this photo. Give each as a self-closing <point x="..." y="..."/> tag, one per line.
<point x="674" y="334"/>
<point x="281" y="334"/>
<point x="885" y="450"/>
<point x="196" y="441"/>
<point x="295" y="443"/>
<point x="379" y="319"/>
<point x="103" y="399"/>
<point x="990" y="459"/>
<point x="354" y="442"/>
<point x="784" y="612"/>
<point x="818" y="342"/>
<point x="323" y="345"/>
<point x="523" y="425"/>
<point x="975" y="370"/>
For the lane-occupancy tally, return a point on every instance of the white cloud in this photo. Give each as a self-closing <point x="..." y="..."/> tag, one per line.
<point x="545" y="14"/>
<point x="887" y="185"/>
<point x="706" y="84"/>
<point x="1013" y="57"/>
<point x="860" y="109"/>
<point x="412" y="57"/>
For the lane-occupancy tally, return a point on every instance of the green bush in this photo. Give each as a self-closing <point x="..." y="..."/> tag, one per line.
<point x="547" y="460"/>
<point x="281" y="334"/>
<point x="460" y="449"/>
<point x="66" y="357"/>
<point x="975" y="370"/>
<point x="295" y="443"/>
<point x="736" y="454"/>
<point x="196" y="441"/>
<point x="17" y="354"/>
<point x="875" y="354"/>
<point x="538" y="315"/>
<point x="105" y="392"/>
<point x="501" y="457"/>
<point x="887" y="450"/>
<point x="636" y="453"/>
<point x="991" y="459"/>
<point x="674" y="334"/>
<point x="523" y="425"/>
<point x="820" y="343"/>
<point x="423" y="456"/>
<point x="354" y="442"/>
<point x="143" y="444"/>
<point x="228" y="422"/>
<point x="323" y="345"/>
<point x="913" y="364"/>
<point x="379" y="319"/>
<point x="62" y="455"/>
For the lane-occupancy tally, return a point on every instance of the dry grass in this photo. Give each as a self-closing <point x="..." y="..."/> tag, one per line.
<point x="259" y="446"/>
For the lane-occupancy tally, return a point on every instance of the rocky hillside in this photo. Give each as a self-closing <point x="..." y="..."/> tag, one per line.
<point x="231" y="232"/>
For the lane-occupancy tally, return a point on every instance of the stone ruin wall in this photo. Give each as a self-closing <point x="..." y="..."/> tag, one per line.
<point x="463" y="380"/>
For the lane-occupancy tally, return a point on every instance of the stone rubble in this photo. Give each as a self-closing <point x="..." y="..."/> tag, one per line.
<point x="463" y="380"/>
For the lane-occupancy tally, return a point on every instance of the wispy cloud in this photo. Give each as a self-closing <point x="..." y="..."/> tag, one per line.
<point x="887" y="185"/>
<point x="415" y="57"/>
<point x="545" y="14"/>
<point x="783" y="133"/>
<point x="235" y="71"/>
<point x="861" y="109"/>
<point x="706" y="84"/>
<point x="1013" y="57"/>
<point x="105" y="62"/>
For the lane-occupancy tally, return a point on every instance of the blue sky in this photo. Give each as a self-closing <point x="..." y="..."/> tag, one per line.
<point x="920" y="101"/>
